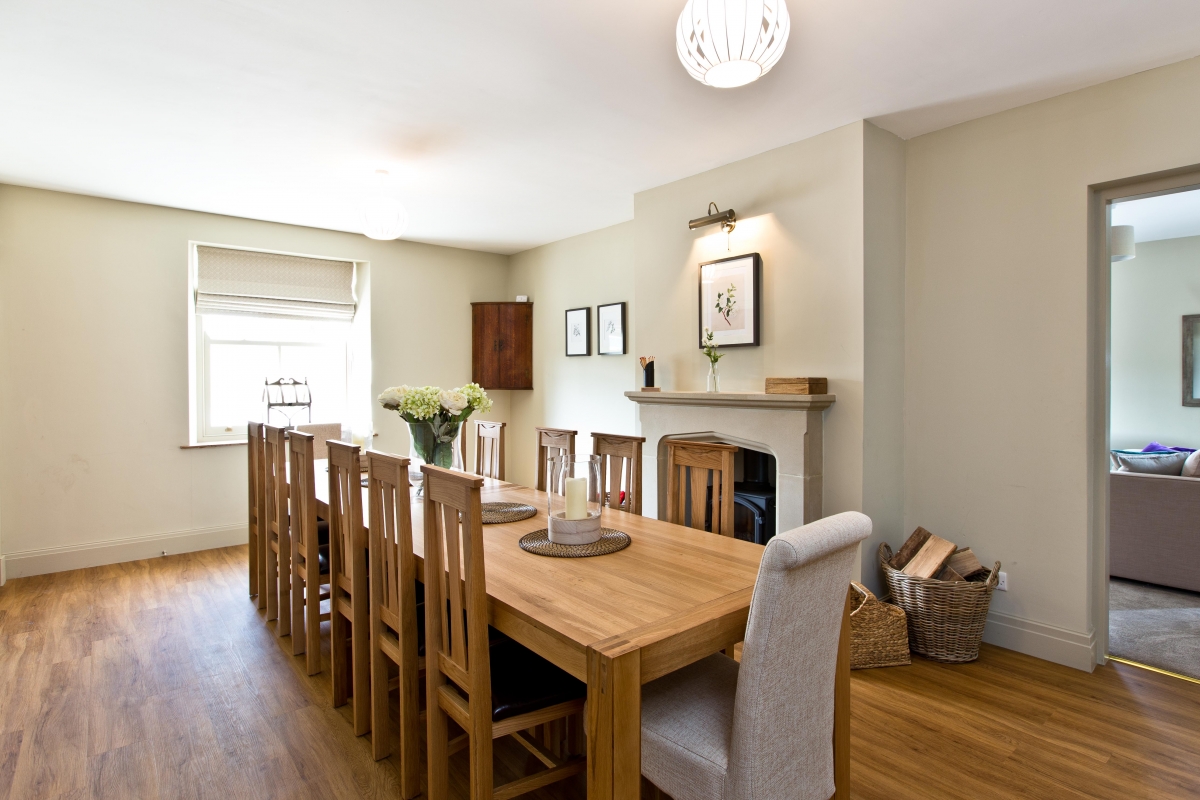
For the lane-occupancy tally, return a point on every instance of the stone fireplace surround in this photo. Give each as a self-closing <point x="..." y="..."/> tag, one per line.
<point x="787" y="426"/>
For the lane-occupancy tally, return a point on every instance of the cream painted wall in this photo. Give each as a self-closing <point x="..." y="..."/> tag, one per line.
<point x="1150" y="295"/>
<point x="801" y="208"/>
<point x="997" y="438"/>
<point x="93" y="369"/>
<point x="578" y="393"/>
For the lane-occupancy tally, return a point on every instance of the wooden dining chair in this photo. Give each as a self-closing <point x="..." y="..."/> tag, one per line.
<point x="488" y="691"/>
<point x="489" y="449"/>
<point x="710" y="465"/>
<point x="278" y="544"/>
<point x="620" y="470"/>
<point x="256" y="515"/>
<point x="551" y="442"/>
<point x="765" y="729"/>
<point x="395" y="634"/>
<point x="349" y="601"/>
<point x="322" y="432"/>
<point x="310" y="555"/>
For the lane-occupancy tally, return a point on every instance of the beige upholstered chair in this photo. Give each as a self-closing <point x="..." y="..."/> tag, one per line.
<point x="322" y="432"/>
<point x="489" y="449"/>
<point x="699" y="465"/>
<point x="551" y="442"/>
<point x="257" y="514"/>
<point x="620" y="470"/>
<point x="762" y="730"/>
<point x="488" y="690"/>
<point x="310" y="553"/>
<point x="349" y="606"/>
<point x="394" y="616"/>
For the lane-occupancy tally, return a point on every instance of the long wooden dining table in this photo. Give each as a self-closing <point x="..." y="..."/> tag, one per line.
<point x="673" y="596"/>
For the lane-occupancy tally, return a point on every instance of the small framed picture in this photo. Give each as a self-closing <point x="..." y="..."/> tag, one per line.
<point x="610" y="327"/>
<point x="579" y="331"/>
<point x="731" y="300"/>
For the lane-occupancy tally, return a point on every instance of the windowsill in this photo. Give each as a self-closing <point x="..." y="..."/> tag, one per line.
<point x="203" y="445"/>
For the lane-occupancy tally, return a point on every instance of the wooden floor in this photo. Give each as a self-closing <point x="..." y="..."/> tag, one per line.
<point x="160" y="679"/>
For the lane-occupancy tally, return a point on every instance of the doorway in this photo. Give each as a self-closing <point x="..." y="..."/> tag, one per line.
<point x="1146" y="580"/>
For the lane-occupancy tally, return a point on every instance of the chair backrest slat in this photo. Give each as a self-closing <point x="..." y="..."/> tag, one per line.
<point x="552" y="442"/>
<point x="692" y="467"/>
<point x="620" y="469"/>
<point x="275" y="478"/>
<point x="489" y="449"/>
<point x="256" y="509"/>
<point x="303" y="496"/>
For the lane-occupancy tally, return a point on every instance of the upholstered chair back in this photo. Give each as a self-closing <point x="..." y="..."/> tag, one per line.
<point x="782" y="739"/>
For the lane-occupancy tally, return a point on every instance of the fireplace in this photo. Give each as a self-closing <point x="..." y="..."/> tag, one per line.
<point x="754" y="496"/>
<point x="784" y="428"/>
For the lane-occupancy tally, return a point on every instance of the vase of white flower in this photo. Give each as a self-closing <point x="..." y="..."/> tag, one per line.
<point x="434" y="418"/>
<point x="710" y="352"/>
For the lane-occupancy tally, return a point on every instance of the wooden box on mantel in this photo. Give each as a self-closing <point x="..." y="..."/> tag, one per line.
<point x="797" y="386"/>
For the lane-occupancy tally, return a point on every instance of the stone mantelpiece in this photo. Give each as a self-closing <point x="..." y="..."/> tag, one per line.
<point x="787" y="426"/>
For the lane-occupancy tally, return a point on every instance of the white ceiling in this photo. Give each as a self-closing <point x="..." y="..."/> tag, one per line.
<point x="1168" y="216"/>
<point x="504" y="124"/>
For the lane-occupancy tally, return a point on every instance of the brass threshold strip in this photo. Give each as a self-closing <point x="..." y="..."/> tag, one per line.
<point x="1167" y="672"/>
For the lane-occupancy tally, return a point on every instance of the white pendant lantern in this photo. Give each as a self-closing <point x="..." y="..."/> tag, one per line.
<point x="1121" y="244"/>
<point x="728" y="43"/>
<point x="383" y="217"/>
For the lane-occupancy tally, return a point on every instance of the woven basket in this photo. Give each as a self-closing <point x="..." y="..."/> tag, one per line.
<point x="878" y="632"/>
<point x="945" y="618"/>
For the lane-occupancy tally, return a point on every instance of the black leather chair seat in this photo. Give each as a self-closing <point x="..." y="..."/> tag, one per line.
<point x="523" y="681"/>
<point x="323" y="546"/>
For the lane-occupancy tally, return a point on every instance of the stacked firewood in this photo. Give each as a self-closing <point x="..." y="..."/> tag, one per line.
<point x="925" y="555"/>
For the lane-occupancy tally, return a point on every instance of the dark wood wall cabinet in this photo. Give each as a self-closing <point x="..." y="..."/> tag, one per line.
<point x="502" y="345"/>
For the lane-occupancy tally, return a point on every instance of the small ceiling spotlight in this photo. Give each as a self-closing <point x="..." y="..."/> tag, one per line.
<point x="727" y="219"/>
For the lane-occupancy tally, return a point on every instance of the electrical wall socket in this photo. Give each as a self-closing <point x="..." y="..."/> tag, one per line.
<point x="1002" y="582"/>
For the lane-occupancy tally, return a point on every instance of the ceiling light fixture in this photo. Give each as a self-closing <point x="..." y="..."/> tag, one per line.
<point x="728" y="43"/>
<point x="1121" y="246"/>
<point x="383" y="217"/>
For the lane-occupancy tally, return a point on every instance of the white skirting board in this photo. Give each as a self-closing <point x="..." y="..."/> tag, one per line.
<point x="94" y="554"/>
<point x="1043" y="641"/>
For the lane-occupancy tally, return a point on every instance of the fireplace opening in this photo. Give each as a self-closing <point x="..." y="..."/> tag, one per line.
<point x="754" y="496"/>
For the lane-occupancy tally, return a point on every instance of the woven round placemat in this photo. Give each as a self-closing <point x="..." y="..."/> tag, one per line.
<point x="499" y="513"/>
<point x="539" y="543"/>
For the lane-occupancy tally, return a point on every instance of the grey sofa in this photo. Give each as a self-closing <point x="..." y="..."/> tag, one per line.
<point x="1154" y="529"/>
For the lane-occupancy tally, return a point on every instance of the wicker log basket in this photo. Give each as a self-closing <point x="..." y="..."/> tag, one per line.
<point x="878" y="632"/>
<point x="945" y="618"/>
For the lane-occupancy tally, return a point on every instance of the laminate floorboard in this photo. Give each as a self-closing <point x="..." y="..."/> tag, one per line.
<point x="160" y="678"/>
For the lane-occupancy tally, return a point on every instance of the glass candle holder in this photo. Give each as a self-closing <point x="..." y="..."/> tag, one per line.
<point x="573" y="499"/>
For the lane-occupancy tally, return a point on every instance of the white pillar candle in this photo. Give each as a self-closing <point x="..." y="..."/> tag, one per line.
<point x="576" y="498"/>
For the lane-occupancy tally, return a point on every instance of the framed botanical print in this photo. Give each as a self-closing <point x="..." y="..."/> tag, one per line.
<point x="610" y="329"/>
<point x="731" y="300"/>
<point x="579" y="331"/>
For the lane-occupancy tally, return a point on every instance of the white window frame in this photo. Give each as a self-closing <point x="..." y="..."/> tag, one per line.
<point x="198" y="352"/>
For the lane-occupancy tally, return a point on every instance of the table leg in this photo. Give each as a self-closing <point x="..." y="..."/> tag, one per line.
<point x="599" y="726"/>
<point x="841" y="710"/>
<point x="614" y="722"/>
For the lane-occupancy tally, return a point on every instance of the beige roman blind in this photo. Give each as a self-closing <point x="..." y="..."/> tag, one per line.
<point x="250" y="282"/>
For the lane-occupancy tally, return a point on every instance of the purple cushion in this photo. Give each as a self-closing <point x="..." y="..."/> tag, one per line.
<point x="1155" y="447"/>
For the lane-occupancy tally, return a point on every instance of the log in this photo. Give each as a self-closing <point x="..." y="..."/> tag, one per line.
<point x="930" y="559"/>
<point x="948" y="574"/>
<point x="910" y="548"/>
<point x="965" y="563"/>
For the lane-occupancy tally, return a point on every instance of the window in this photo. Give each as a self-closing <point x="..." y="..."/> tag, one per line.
<point x="258" y="317"/>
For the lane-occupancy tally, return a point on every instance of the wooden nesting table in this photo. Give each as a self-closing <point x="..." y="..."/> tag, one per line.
<point x="674" y="596"/>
